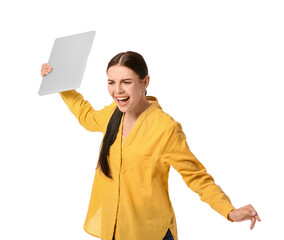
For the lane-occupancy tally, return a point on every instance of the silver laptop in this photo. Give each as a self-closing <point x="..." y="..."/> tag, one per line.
<point x="68" y="58"/>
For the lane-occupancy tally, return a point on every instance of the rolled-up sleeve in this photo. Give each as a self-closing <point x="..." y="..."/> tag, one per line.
<point x="88" y="117"/>
<point x="177" y="154"/>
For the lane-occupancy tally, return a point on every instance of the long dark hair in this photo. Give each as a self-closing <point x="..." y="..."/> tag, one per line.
<point x="136" y="63"/>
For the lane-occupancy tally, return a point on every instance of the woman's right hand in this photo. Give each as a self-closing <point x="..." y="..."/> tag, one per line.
<point x="45" y="69"/>
<point x="244" y="213"/>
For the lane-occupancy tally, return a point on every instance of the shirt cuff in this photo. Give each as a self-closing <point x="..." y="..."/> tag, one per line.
<point x="228" y="210"/>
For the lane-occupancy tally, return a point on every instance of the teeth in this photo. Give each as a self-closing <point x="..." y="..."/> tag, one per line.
<point x="122" y="98"/>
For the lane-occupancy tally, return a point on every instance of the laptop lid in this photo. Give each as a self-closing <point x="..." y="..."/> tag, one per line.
<point x="68" y="58"/>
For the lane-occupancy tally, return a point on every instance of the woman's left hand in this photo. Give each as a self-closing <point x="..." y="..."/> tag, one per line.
<point x="243" y="214"/>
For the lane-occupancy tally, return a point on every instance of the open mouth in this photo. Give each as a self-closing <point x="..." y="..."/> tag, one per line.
<point x="123" y="100"/>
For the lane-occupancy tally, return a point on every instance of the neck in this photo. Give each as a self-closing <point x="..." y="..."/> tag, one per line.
<point x="133" y="115"/>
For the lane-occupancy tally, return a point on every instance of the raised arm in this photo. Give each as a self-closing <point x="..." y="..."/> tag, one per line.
<point x="88" y="117"/>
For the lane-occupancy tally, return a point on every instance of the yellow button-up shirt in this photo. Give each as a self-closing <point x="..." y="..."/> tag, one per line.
<point x="135" y="204"/>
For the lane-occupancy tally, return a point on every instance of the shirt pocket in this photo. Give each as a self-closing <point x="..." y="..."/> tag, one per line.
<point x="139" y="169"/>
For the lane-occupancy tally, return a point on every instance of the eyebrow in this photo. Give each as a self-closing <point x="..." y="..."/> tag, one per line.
<point x="122" y="80"/>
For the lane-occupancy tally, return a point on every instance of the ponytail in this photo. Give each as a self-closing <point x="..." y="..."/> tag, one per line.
<point x="110" y="136"/>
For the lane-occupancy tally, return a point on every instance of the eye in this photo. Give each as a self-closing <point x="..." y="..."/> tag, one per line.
<point x="127" y="82"/>
<point x="110" y="83"/>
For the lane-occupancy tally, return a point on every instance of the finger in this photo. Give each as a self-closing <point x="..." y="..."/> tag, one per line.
<point x="245" y="215"/>
<point x="255" y="214"/>
<point x="251" y="210"/>
<point x="253" y="220"/>
<point x="250" y="207"/>
<point x="43" y="69"/>
<point x="249" y="213"/>
<point x="44" y="73"/>
<point x="49" y="68"/>
<point x="46" y="67"/>
<point x="43" y="66"/>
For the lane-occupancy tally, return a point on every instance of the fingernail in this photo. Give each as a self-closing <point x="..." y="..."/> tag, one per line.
<point x="253" y="213"/>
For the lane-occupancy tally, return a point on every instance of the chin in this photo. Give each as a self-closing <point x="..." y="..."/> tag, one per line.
<point x="122" y="109"/>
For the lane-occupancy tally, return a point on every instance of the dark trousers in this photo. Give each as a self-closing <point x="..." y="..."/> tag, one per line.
<point x="168" y="236"/>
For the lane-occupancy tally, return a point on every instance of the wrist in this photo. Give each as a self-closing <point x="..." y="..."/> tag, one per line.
<point x="230" y="215"/>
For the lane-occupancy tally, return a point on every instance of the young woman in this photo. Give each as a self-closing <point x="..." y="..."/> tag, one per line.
<point x="130" y="197"/>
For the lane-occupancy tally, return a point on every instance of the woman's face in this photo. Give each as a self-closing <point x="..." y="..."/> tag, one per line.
<point x="126" y="88"/>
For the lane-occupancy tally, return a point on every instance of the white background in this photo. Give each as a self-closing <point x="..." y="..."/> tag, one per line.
<point x="215" y="66"/>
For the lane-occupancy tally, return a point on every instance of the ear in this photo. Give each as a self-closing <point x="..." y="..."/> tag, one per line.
<point x="146" y="81"/>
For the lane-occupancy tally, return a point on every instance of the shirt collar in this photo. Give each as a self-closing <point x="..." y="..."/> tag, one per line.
<point x="154" y="104"/>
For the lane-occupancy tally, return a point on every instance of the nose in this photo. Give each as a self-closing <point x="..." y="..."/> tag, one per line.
<point x="119" y="89"/>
